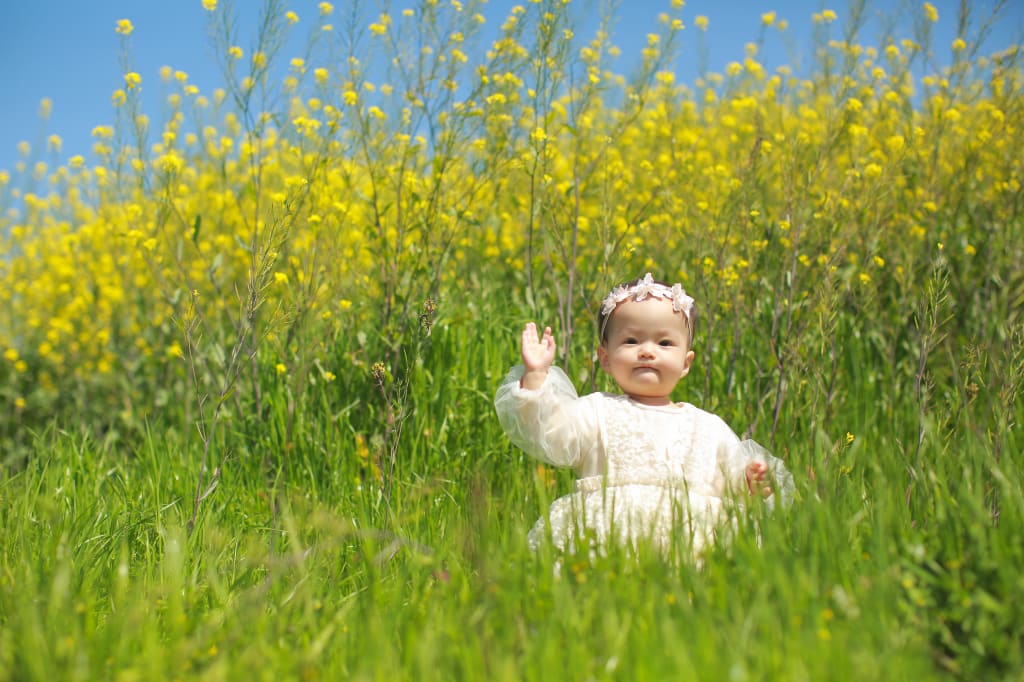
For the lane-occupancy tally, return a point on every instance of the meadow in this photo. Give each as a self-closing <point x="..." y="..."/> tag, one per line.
<point x="250" y="348"/>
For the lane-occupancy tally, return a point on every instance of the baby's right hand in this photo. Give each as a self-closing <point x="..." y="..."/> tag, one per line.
<point x="538" y="353"/>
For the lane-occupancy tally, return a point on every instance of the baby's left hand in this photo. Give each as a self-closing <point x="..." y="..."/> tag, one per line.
<point x="757" y="473"/>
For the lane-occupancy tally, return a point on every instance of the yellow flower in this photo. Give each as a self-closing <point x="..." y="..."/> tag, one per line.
<point x="326" y="9"/>
<point x="132" y="80"/>
<point x="930" y="12"/>
<point x="329" y="376"/>
<point x="768" y="18"/>
<point x="344" y="304"/>
<point x="235" y="52"/>
<point x="280" y="368"/>
<point x="292" y="17"/>
<point x="701" y="22"/>
<point x="124" y="27"/>
<point x="209" y="5"/>
<point x="19" y="403"/>
<point x="849" y="437"/>
<point x="11" y="355"/>
<point x="280" y="278"/>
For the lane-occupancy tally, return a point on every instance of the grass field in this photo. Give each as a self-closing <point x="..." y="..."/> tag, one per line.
<point x="250" y="357"/>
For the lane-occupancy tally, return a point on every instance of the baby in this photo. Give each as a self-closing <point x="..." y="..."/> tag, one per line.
<point x="648" y="468"/>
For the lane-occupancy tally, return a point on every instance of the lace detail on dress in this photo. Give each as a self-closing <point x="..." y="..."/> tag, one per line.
<point x="655" y="445"/>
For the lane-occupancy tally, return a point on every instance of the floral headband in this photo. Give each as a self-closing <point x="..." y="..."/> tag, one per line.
<point x="646" y="287"/>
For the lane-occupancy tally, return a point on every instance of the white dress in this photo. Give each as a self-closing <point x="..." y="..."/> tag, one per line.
<point x="653" y="472"/>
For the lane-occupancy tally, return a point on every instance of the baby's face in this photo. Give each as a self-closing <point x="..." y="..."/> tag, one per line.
<point x="647" y="350"/>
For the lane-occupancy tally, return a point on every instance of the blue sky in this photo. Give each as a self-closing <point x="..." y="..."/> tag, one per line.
<point x="67" y="50"/>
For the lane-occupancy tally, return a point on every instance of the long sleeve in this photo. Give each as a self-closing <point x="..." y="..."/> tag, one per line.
<point x="550" y="423"/>
<point x="733" y="457"/>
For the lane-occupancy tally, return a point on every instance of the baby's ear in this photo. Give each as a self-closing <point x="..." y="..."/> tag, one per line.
<point x="602" y="357"/>
<point x="687" y="362"/>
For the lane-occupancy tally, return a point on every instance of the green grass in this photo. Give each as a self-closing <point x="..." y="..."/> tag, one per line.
<point x="310" y="574"/>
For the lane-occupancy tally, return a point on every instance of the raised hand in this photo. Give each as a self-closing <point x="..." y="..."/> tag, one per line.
<point x="538" y="354"/>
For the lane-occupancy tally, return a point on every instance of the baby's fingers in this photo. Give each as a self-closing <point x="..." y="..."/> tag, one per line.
<point x="549" y="338"/>
<point x="530" y="337"/>
<point x="756" y="472"/>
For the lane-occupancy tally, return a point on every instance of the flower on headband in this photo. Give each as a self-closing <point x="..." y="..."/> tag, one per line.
<point x="681" y="301"/>
<point x="646" y="287"/>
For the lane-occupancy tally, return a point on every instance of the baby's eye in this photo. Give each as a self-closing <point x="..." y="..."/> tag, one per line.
<point x="665" y="342"/>
<point x="629" y="341"/>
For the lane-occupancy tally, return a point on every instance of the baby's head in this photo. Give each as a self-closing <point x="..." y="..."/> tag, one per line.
<point x="640" y="289"/>
<point x="646" y="328"/>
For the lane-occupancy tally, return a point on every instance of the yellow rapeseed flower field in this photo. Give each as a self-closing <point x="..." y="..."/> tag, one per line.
<point x="355" y="192"/>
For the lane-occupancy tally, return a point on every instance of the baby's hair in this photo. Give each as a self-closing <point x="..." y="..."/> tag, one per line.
<point x="603" y="317"/>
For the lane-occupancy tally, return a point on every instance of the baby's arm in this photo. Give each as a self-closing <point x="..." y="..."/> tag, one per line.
<point x="741" y="464"/>
<point x="538" y="354"/>
<point x="540" y="411"/>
